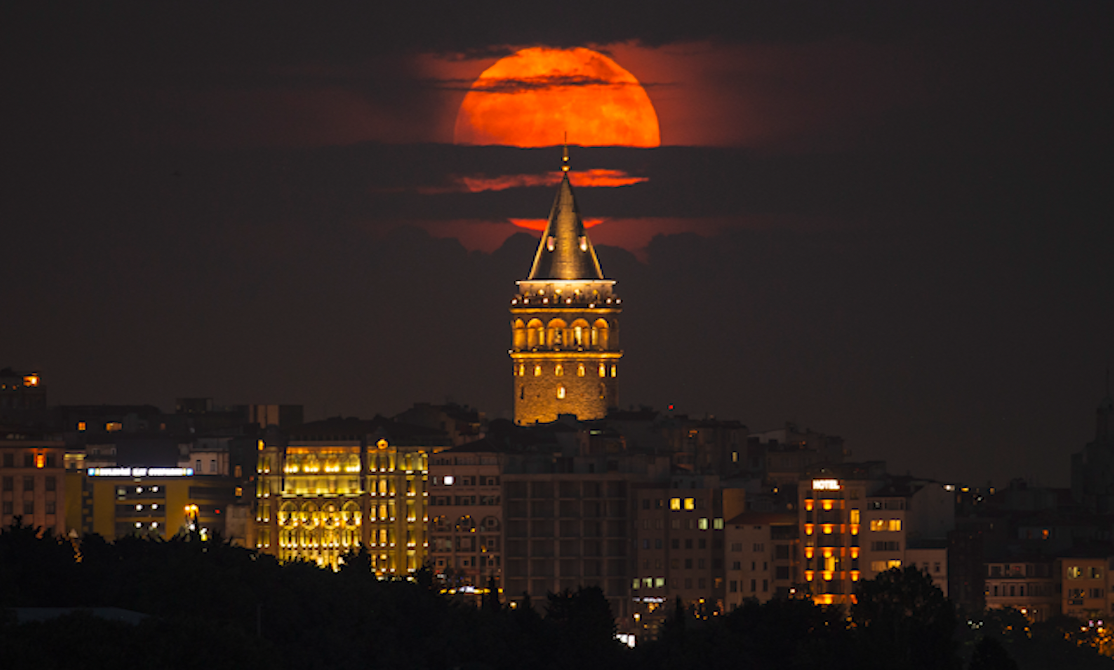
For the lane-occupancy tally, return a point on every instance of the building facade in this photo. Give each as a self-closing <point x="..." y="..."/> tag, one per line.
<point x="335" y="486"/>
<point x="466" y="518"/>
<point x="565" y="325"/>
<point x="32" y="480"/>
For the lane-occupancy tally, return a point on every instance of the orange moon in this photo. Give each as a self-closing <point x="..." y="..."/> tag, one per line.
<point x="531" y="98"/>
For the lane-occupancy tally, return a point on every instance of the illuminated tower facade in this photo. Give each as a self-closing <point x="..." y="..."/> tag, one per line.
<point x="565" y="324"/>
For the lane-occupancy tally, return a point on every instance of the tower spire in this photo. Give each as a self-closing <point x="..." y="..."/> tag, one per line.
<point x="565" y="160"/>
<point x="565" y="252"/>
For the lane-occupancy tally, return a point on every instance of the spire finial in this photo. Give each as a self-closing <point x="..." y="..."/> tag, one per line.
<point x="565" y="160"/>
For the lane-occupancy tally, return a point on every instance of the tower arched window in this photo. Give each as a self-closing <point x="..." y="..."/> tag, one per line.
<point x="614" y="370"/>
<point x="603" y="370"/>
<point x="559" y="370"/>
<point x="580" y="370"/>
<point x="521" y="392"/>
<point x="538" y="371"/>
<point x="519" y="334"/>
<point x="560" y="392"/>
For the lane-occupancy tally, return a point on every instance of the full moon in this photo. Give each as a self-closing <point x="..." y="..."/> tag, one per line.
<point x="533" y="97"/>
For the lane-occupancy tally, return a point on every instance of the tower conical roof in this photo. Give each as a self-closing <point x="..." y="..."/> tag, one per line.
<point x="565" y="252"/>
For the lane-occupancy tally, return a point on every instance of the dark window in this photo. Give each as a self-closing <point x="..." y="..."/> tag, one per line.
<point x="51" y="461"/>
<point x="7" y="507"/>
<point x="28" y="483"/>
<point x="28" y="506"/>
<point x="9" y="460"/>
<point x="29" y="460"/>
<point x="50" y="507"/>
<point x="51" y="484"/>
<point x="8" y="484"/>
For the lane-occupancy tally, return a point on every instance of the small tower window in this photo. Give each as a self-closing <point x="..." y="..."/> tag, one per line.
<point x="603" y="370"/>
<point x="580" y="370"/>
<point x="614" y="370"/>
<point x="538" y="371"/>
<point x="550" y="242"/>
<point x="560" y="392"/>
<point x="558" y="371"/>
<point x="521" y="369"/>
<point x="521" y="392"/>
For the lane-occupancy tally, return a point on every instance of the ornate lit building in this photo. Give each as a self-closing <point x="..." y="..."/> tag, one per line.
<point x="333" y="486"/>
<point x="565" y="324"/>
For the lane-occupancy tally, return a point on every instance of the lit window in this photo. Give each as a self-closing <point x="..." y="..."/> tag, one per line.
<point x="895" y="525"/>
<point x="560" y="392"/>
<point x="878" y="524"/>
<point x="690" y="503"/>
<point x="603" y="371"/>
<point x="659" y="582"/>
<point x="559" y="370"/>
<point x="580" y="370"/>
<point x="113" y="426"/>
<point x="675" y="503"/>
<point x="448" y="480"/>
<point x="703" y="523"/>
<point x="854" y="516"/>
<point x="81" y="425"/>
<point x="537" y="371"/>
<point x="718" y="524"/>
<point x="614" y="370"/>
<point x="893" y="564"/>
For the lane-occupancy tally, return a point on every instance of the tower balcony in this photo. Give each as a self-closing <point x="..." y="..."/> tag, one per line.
<point x="574" y="301"/>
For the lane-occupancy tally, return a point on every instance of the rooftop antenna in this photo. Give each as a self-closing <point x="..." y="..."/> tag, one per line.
<point x="565" y="160"/>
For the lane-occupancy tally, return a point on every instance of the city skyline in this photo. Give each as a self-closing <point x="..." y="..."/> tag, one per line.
<point x="885" y="225"/>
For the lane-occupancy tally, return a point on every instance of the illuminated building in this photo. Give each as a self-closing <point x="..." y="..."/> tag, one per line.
<point x="334" y="486"/>
<point x="1029" y="586"/>
<point x="856" y="522"/>
<point x="1085" y="583"/>
<point x="565" y="325"/>
<point x="21" y="394"/>
<point x="32" y="479"/>
<point x="154" y="502"/>
<point x="466" y="517"/>
<point x="679" y="540"/>
<point x="830" y="515"/>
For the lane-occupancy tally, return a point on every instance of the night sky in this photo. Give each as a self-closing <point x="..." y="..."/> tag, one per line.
<point x="886" y="223"/>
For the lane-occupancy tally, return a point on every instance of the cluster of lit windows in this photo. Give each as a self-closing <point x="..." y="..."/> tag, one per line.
<point x="885" y="525"/>
<point x="648" y="583"/>
<point x="558" y="334"/>
<point x="559" y="370"/>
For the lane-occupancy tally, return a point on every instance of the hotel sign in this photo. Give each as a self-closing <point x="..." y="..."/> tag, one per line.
<point x="140" y="472"/>
<point x="825" y="485"/>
